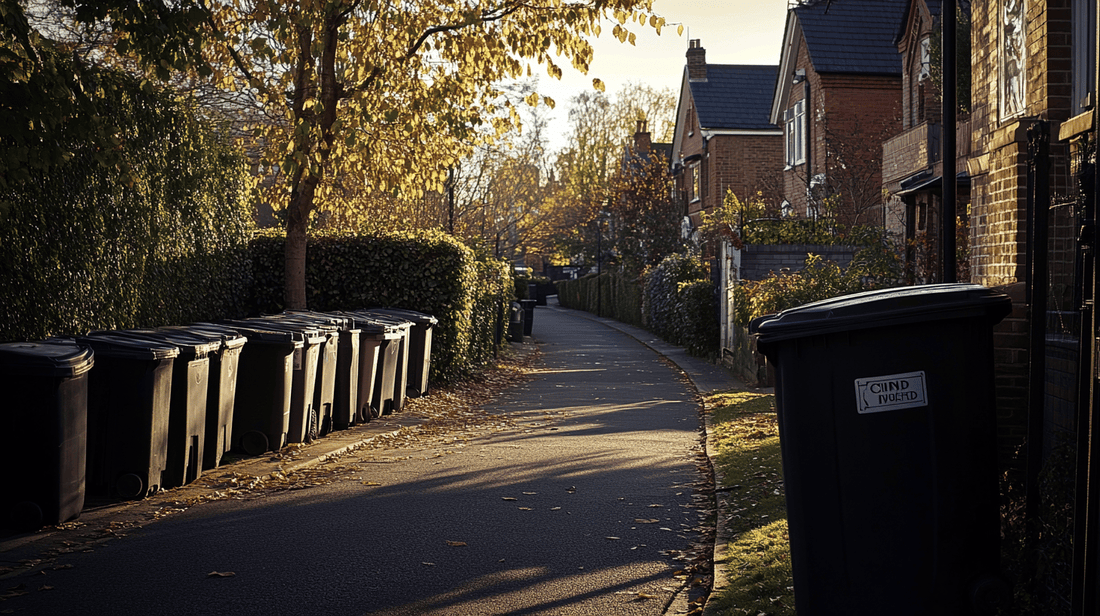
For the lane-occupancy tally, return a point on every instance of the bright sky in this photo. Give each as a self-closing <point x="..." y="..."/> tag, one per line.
<point x="732" y="32"/>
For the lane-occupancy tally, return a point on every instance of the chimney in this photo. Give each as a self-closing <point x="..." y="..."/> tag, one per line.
<point x="697" y="61"/>
<point x="641" y="139"/>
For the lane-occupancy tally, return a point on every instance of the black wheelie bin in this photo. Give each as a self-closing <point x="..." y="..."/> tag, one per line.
<point x="384" y="337"/>
<point x="401" y="376"/>
<point x="45" y="415"/>
<point x="341" y="381"/>
<point x="303" y="416"/>
<point x="187" y="413"/>
<point x="129" y="402"/>
<point x="420" y="347"/>
<point x="221" y="390"/>
<point x="886" y="414"/>
<point x="265" y="376"/>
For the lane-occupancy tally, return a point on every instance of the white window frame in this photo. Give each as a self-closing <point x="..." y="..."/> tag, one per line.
<point x="693" y="182"/>
<point x="794" y="130"/>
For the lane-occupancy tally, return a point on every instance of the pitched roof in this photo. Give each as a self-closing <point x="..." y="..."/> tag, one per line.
<point x="735" y="96"/>
<point x="852" y="36"/>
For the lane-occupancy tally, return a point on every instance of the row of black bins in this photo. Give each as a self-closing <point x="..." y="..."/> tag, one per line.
<point x="124" y="413"/>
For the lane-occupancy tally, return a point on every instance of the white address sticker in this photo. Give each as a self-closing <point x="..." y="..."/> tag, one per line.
<point x="892" y="392"/>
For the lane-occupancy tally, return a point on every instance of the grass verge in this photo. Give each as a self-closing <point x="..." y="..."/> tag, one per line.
<point x="749" y="464"/>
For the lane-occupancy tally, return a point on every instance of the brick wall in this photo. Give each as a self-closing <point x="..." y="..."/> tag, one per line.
<point x="758" y="260"/>
<point x="745" y="164"/>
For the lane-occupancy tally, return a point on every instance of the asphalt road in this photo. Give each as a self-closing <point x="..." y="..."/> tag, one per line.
<point x="576" y="503"/>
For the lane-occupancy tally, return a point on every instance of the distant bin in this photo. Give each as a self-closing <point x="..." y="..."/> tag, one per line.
<point x="44" y="414"/>
<point x="129" y="402"/>
<point x="420" y="347"/>
<point x="386" y="337"/>
<point x="515" y="323"/>
<point x="221" y="391"/>
<point x="401" y="374"/>
<point x="528" y="315"/>
<point x="887" y="428"/>
<point x="261" y="407"/>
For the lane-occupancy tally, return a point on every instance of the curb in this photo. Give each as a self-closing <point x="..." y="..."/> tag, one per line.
<point x="721" y="537"/>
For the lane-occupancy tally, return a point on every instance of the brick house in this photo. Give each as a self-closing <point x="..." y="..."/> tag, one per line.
<point x="723" y="139"/>
<point x="838" y="98"/>
<point x="912" y="165"/>
<point x="1031" y="60"/>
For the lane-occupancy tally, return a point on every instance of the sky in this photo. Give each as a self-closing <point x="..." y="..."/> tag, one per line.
<point x="731" y="31"/>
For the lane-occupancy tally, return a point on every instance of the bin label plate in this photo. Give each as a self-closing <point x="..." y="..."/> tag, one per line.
<point x="891" y="392"/>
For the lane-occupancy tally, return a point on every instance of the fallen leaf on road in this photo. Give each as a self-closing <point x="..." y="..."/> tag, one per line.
<point x="612" y="538"/>
<point x="508" y="498"/>
<point x="428" y="564"/>
<point x="45" y="588"/>
<point x="530" y="493"/>
<point x="457" y="544"/>
<point x="221" y="574"/>
<point x="645" y="521"/>
<point x="525" y="509"/>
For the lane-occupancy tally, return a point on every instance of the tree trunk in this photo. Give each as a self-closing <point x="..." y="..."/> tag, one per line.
<point x="294" y="289"/>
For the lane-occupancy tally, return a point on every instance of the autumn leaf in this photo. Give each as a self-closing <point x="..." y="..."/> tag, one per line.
<point x="456" y="544"/>
<point x="220" y="574"/>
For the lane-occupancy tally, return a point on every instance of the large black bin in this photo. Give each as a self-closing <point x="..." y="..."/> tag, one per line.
<point x="304" y="375"/>
<point x="261" y="408"/>
<point x="129" y="398"/>
<point x="187" y="411"/>
<point x="342" y="380"/>
<point x="44" y="414"/>
<point x="221" y="390"/>
<point x="401" y="376"/>
<point x="320" y="407"/>
<point x="420" y="347"/>
<point x="887" y="426"/>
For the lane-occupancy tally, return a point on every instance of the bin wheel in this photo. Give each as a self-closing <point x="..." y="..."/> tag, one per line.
<point x="254" y="442"/>
<point x="130" y="486"/>
<point x="990" y="593"/>
<point x="412" y="392"/>
<point x="26" y="516"/>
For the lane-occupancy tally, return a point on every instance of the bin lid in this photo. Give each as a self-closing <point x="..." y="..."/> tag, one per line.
<point x="884" y="308"/>
<point x="255" y="335"/>
<point x="188" y="345"/>
<point x="391" y="319"/>
<point x="341" y="322"/>
<point x="229" y="339"/>
<point x="114" y="344"/>
<point x="307" y="333"/>
<point x="416" y="317"/>
<point x="54" y="358"/>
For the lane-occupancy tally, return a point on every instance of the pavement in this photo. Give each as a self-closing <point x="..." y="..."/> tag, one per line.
<point x="704" y="376"/>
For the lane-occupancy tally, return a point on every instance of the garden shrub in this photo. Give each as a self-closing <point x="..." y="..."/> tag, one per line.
<point x="426" y="271"/>
<point x="663" y="312"/>
<point x="159" y="237"/>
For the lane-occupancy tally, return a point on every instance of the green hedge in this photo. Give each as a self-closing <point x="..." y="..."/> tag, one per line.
<point x="620" y="296"/>
<point x="675" y="300"/>
<point x="159" y="238"/>
<point x="426" y="271"/>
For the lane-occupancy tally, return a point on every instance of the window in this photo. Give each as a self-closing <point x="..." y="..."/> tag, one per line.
<point x="693" y="188"/>
<point x="925" y="59"/>
<point x="795" y="129"/>
<point x="1013" y="59"/>
<point x="1084" y="52"/>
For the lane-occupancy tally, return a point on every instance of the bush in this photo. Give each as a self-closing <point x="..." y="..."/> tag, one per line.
<point x="425" y="271"/>
<point x="663" y="312"/>
<point x="158" y="238"/>
<point x="699" y="331"/>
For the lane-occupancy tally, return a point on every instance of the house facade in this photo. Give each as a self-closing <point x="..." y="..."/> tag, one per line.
<point x="723" y="140"/>
<point x="838" y="98"/>
<point x="912" y="163"/>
